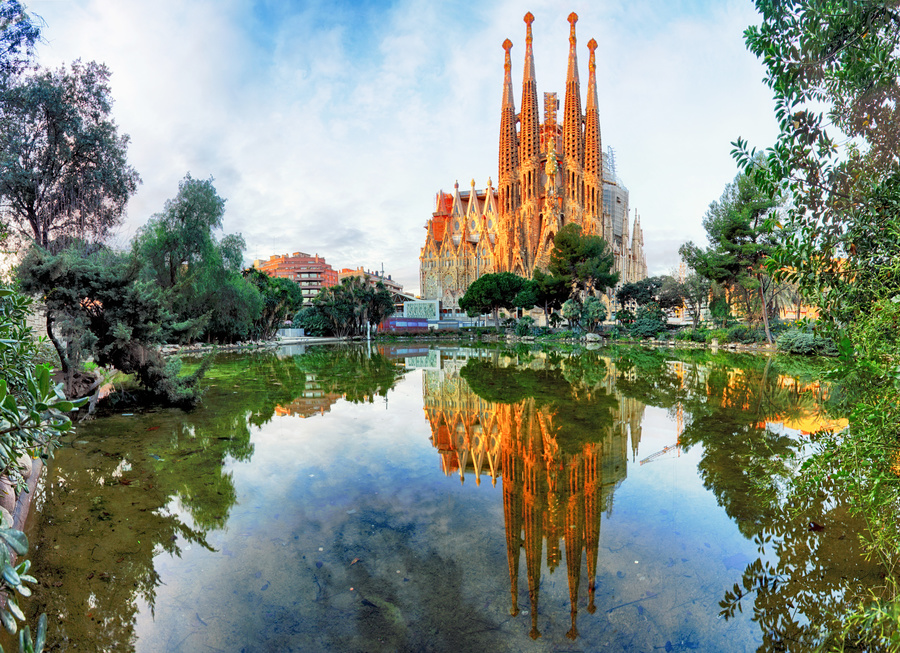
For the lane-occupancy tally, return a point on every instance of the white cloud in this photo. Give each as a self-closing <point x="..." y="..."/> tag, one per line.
<point x="330" y="129"/>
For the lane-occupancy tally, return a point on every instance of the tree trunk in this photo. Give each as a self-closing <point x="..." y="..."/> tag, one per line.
<point x="765" y="312"/>
<point x="64" y="364"/>
<point x="497" y="319"/>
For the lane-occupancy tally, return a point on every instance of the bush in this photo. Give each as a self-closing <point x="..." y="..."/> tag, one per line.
<point x="717" y="334"/>
<point x="744" y="334"/>
<point x="799" y="342"/>
<point x="692" y="335"/>
<point x="649" y="321"/>
<point x="524" y="325"/>
<point x="739" y="333"/>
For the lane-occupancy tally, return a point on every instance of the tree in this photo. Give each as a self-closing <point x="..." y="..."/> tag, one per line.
<point x="649" y="321"/>
<point x="491" y="292"/>
<point x="178" y="241"/>
<point x="740" y="230"/>
<point x="582" y="262"/>
<point x="353" y="305"/>
<point x="126" y="317"/>
<point x="694" y="294"/>
<point x="661" y="290"/>
<point x="199" y="275"/>
<point x="18" y="34"/>
<point x="63" y="167"/>
<point x="549" y="291"/>
<point x="281" y="299"/>
<point x="586" y="315"/>
<point x="834" y="70"/>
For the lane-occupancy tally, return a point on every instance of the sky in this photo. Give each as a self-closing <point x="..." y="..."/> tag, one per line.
<point x="330" y="126"/>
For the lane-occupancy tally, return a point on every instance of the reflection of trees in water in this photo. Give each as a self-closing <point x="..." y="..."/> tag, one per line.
<point x="552" y="429"/>
<point x="811" y="568"/>
<point x="123" y="492"/>
<point x="805" y="574"/>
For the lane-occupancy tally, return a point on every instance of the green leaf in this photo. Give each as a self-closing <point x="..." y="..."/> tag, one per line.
<point x="44" y="380"/>
<point x="40" y="635"/>
<point x="15" y="609"/>
<point x="10" y="576"/>
<point x="25" y="645"/>
<point x="16" y="539"/>
<point x="8" y="622"/>
<point x="24" y="590"/>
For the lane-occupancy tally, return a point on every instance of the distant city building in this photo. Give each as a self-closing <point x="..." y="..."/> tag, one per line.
<point x="550" y="175"/>
<point x="372" y="278"/>
<point x="311" y="273"/>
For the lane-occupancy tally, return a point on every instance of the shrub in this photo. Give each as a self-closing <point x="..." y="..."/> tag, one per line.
<point x="739" y="333"/>
<point x="524" y="325"/>
<point x="794" y="341"/>
<point x="648" y="321"/>
<point x="717" y="334"/>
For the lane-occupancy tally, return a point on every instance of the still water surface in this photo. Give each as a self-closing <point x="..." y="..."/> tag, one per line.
<point x="454" y="499"/>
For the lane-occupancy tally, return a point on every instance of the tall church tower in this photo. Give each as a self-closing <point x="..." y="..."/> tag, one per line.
<point x="549" y="175"/>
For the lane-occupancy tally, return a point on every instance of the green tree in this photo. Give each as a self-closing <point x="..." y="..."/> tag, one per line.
<point x="649" y="321"/>
<point x="584" y="263"/>
<point x="353" y="306"/>
<point x="200" y="275"/>
<point x="834" y="69"/>
<point x="491" y="292"/>
<point x="740" y="231"/>
<point x="127" y="318"/>
<point x="313" y="321"/>
<point x="585" y="315"/>
<point x="18" y="34"/>
<point x="549" y="291"/>
<point x="660" y="290"/>
<point x="281" y="299"/>
<point x="694" y="292"/>
<point x="63" y="167"/>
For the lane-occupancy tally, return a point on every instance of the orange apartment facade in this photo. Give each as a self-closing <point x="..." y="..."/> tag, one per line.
<point x="311" y="273"/>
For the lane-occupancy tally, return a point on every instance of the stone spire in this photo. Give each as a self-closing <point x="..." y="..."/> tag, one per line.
<point x="509" y="141"/>
<point x="593" y="151"/>
<point x="573" y="143"/>
<point x="530" y="136"/>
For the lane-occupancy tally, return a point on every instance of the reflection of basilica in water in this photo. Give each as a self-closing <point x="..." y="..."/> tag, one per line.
<point x="550" y="492"/>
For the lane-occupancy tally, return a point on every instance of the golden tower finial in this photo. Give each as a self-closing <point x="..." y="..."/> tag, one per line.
<point x="592" y="63"/>
<point x="573" y="18"/>
<point x="529" y="18"/>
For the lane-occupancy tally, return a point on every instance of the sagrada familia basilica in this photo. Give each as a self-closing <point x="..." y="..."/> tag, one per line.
<point x="550" y="175"/>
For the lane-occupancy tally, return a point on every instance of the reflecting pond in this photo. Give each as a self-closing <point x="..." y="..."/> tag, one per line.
<point x="431" y="499"/>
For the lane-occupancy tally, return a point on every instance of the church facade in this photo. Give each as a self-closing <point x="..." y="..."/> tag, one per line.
<point x="551" y="173"/>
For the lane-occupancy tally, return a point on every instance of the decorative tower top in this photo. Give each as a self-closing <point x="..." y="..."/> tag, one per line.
<point x="529" y="134"/>
<point x="573" y="140"/>
<point x="507" y="75"/>
<point x="593" y="159"/>
<point x="509" y="140"/>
